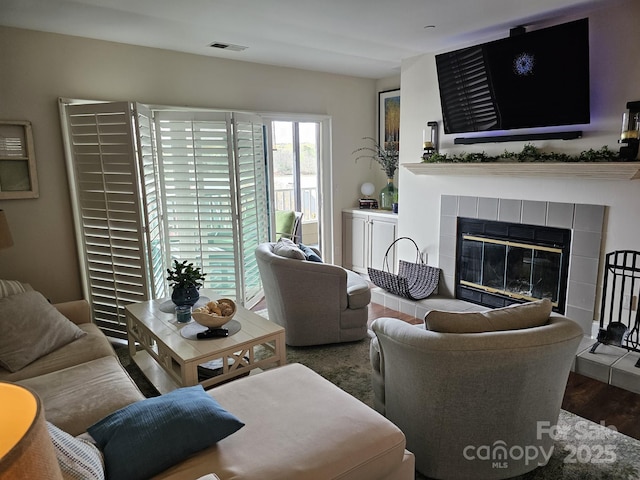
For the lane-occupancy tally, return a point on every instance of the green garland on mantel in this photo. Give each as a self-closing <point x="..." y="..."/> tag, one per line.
<point x="528" y="154"/>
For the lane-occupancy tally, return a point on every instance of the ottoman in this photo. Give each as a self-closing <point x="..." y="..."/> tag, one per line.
<point x="299" y="426"/>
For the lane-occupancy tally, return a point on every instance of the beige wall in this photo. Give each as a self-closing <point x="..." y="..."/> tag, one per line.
<point x="36" y="68"/>
<point x="615" y="79"/>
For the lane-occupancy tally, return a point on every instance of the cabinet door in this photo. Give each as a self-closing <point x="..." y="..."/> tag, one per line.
<point x="356" y="236"/>
<point x="383" y="234"/>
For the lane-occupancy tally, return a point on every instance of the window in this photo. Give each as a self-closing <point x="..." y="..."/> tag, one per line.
<point x="152" y="186"/>
<point x="17" y="161"/>
<point x="295" y="148"/>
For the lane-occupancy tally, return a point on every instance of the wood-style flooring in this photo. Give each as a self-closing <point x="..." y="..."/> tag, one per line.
<point x="586" y="397"/>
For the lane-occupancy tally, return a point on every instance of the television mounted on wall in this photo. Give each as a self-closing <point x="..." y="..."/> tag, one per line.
<point x="533" y="79"/>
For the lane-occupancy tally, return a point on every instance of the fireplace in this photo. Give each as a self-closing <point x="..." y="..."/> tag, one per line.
<point x="585" y="222"/>
<point x="501" y="263"/>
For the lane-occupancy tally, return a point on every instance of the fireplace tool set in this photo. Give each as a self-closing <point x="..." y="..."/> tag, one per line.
<point x="620" y="291"/>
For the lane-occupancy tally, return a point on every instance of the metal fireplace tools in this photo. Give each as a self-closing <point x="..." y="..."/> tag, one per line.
<point x="620" y="291"/>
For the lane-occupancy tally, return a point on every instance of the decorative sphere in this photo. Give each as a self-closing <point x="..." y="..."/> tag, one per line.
<point x="367" y="188"/>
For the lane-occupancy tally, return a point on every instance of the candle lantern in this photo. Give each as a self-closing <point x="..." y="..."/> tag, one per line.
<point x="429" y="140"/>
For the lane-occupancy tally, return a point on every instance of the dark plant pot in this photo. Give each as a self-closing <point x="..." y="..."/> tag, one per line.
<point x="185" y="296"/>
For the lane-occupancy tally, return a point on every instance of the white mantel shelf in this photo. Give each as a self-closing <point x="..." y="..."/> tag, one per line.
<point x="585" y="170"/>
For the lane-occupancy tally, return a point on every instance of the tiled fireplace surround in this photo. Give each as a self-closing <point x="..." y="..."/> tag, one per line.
<point x="609" y="364"/>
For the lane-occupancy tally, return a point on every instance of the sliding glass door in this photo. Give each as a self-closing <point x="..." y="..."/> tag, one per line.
<point x="295" y="166"/>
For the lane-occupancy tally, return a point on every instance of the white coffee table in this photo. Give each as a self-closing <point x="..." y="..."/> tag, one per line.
<point x="169" y="360"/>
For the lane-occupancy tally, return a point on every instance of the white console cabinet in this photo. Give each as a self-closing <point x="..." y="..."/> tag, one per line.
<point x="366" y="235"/>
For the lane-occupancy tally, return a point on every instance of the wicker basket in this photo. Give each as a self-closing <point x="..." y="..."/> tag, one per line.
<point x="415" y="280"/>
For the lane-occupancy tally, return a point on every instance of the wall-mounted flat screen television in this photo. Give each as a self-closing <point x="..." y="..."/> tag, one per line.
<point x="533" y="79"/>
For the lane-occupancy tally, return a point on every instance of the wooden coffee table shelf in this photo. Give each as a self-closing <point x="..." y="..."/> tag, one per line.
<point x="171" y="361"/>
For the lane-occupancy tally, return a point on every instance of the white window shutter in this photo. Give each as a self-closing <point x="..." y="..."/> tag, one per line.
<point x="251" y="181"/>
<point x="152" y="203"/>
<point x="108" y="211"/>
<point x="196" y="157"/>
<point x="150" y="187"/>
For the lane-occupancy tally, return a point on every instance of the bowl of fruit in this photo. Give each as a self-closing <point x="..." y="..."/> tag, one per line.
<point x="215" y="313"/>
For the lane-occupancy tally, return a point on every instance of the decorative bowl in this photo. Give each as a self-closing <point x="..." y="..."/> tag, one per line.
<point x="215" y="313"/>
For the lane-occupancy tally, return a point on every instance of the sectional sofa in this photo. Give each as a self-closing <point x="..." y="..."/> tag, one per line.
<point x="297" y="425"/>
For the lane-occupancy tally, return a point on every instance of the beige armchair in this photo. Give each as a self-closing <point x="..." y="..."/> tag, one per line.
<point x="316" y="303"/>
<point x="469" y="403"/>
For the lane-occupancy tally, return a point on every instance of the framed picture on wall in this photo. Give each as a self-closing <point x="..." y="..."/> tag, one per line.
<point x="389" y="119"/>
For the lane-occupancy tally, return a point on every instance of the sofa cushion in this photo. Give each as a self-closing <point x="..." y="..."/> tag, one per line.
<point x="89" y="347"/>
<point x="513" y="317"/>
<point x="79" y="396"/>
<point x="286" y="248"/>
<point x="78" y="458"/>
<point x="147" y="437"/>
<point x="31" y="327"/>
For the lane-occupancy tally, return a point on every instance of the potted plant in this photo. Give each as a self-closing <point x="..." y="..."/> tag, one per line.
<point x="388" y="160"/>
<point x="185" y="280"/>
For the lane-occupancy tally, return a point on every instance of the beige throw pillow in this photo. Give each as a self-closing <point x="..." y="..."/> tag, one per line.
<point x="513" y="317"/>
<point x="30" y="327"/>
<point x="286" y="248"/>
<point x="11" y="287"/>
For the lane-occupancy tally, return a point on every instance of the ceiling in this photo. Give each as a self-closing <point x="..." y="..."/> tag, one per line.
<point x="364" y="38"/>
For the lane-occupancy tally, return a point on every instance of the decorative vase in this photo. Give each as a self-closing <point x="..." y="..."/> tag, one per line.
<point x="388" y="195"/>
<point x="185" y="296"/>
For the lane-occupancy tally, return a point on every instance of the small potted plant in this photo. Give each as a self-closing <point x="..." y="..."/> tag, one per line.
<point x="185" y="280"/>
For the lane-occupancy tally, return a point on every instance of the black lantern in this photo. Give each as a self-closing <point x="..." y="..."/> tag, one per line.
<point x="630" y="134"/>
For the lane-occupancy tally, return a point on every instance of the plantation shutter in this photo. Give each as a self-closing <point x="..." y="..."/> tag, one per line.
<point x="152" y="187"/>
<point x="195" y="150"/>
<point x="105" y="183"/>
<point x="151" y="201"/>
<point x="252" y="198"/>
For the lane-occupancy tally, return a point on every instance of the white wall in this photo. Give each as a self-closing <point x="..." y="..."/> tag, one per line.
<point x="615" y="79"/>
<point x="37" y="68"/>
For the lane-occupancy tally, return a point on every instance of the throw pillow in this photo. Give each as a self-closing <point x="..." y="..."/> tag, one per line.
<point x="286" y="248"/>
<point x="78" y="459"/>
<point x="513" y="317"/>
<point x="309" y="253"/>
<point x="11" y="287"/>
<point x="149" y="436"/>
<point x="30" y="327"/>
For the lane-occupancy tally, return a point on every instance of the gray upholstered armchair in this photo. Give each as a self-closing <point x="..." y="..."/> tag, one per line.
<point x="316" y="303"/>
<point x="468" y="402"/>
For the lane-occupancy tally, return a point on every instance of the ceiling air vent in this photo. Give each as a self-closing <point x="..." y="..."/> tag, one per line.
<point x="227" y="46"/>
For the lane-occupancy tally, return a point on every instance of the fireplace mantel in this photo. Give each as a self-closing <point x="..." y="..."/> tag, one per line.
<point x="584" y="170"/>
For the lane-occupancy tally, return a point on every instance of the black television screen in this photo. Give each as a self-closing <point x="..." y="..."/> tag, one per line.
<point x="535" y="79"/>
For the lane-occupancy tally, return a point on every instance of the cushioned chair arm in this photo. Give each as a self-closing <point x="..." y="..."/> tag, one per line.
<point x="78" y="311"/>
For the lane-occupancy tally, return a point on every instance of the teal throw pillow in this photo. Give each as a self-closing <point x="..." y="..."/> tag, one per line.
<point x="147" y="437"/>
<point x="309" y="253"/>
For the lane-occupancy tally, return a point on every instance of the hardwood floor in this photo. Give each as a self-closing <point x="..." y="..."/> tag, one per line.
<point x="586" y="397"/>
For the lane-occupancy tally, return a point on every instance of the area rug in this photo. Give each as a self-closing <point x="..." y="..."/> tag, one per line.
<point x="583" y="450"/>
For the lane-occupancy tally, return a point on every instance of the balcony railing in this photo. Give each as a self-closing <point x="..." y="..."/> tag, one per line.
<point x="285" y="200"/>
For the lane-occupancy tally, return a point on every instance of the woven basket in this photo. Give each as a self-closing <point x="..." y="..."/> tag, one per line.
<point x="415" y="280"/>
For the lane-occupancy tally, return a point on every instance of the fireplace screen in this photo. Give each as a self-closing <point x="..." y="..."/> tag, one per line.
<point x="501" y="268"/>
